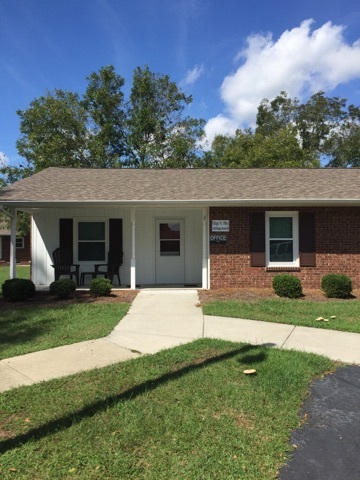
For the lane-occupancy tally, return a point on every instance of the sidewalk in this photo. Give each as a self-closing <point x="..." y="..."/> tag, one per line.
<point x="160" y="319"/>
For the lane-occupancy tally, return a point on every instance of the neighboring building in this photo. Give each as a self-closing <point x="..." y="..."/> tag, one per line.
<point x="207" y="228"/>
<point x="23" y="253"/>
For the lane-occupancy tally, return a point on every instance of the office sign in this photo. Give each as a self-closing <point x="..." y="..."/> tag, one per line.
<point x="218" y="239"/>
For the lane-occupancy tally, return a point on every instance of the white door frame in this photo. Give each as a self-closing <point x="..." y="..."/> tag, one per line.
<point x="170" y="269"/>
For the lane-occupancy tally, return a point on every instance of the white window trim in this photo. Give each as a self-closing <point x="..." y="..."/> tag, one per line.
<point x="295" y="233"/>
<point x="22" y="242"/>
<point x="76" y="238"/>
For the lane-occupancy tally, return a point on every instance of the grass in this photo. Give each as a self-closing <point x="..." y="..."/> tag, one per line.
<point x="24" y="330"/>
<point x="187" y="413"/>
<point x="294" y="312"/>
<point x="22" y="271"/>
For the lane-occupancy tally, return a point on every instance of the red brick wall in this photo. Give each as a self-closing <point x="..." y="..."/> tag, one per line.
<point x="337" y="248"/>
<point x="23" y="255"/>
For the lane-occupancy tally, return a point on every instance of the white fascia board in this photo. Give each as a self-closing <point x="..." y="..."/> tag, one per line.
<point x="334" y="202"/>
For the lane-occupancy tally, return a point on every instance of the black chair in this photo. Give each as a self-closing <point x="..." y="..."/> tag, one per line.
<point x="63" y="264"/>
<point x="111" y="268"/>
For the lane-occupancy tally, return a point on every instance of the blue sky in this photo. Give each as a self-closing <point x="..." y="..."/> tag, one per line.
<point x="228" y="54"/>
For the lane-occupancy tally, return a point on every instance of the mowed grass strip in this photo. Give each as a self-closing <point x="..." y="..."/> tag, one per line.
<point x="187" y="413"/>
<point x="30" y="329"/>
<point x="22" y="271"/>
<point x="295" y="312"/>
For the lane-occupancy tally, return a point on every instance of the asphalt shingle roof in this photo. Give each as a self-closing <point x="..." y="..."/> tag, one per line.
<point x="186" y="185"/>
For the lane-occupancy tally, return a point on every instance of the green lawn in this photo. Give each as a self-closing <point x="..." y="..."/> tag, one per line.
<point x="29" y="329"/>
<point x="22" y="271"/>
<point x="295" y="312"/>
<point x="185" y="413"/>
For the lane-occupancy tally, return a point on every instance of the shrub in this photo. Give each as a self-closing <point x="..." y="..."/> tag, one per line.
<point x="100" y="286"/>
<point x="336" y="285"/>
<point x="288" y="286"/>
<point x="62" y="288"/>
<point x="17" y="289"/>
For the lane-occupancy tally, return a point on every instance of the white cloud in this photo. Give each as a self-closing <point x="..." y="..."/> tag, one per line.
<point x="219" y="125"/>
<point x="301" y="62"/>
<point x="4" y="160"/>
<point x="193" y="75"/>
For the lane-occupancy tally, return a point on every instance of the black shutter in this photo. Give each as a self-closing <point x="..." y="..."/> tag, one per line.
<point x="257" y="239"/>
<point x="307" y="239"/>
<point x="116" y="237"/>
<point x="66" y="234"/>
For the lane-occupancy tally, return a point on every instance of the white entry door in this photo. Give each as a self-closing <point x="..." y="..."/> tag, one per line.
<point x="170" y="255"/>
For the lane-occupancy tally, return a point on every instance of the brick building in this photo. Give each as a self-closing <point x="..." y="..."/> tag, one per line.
<point x="208" y="228"/>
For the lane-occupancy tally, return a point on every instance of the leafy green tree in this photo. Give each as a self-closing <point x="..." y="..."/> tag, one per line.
<point x="158" y="133"/>
<point x="276" y="114"/>
<point x="324" y="126"/>
<point x="101" y="129"/>
<point x="247" y="149"/>
<point x="343" y="145"/>
<point x="104" y="104"/>
<point x="53" y="132"/>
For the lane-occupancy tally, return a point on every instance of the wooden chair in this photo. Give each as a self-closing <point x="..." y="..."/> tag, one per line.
<point x="115" y="260"/>
<point x="63" y="264"/>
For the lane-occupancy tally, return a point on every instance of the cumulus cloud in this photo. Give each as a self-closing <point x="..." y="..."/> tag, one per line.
<point x="302" y="61"/>
<point x="192" y="75"/>
<point x="4" y="160"/>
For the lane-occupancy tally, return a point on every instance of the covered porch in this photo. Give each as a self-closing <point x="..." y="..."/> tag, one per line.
<point x="162" y="246"/>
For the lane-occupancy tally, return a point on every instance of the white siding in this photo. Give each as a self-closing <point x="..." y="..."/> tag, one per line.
<point x="45" y="239"/>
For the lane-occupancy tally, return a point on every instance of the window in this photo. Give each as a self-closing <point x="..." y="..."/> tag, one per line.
<point x="282" y="245"/>
<point x="91" y="241"/>
<point x="19" y="242"/>
<point x="169" y="239"/>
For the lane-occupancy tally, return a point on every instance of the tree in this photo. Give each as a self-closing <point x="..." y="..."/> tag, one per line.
<point x="53" y="132"/>
<point x="158" y="134"/>
<point x="293" y="134"/>
<point x="324" y="126"/>
<point x="277" y="114"/>
<point x="343" y="146"/>
<point x="247" y="149"/>
<point x="106" y="116"/>
<point x="100" y="129"/>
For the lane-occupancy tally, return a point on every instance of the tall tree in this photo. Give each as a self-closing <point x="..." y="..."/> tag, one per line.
<point x="100" y="129"/>
<point x="53" y="132"/>
<point x="324" y="126"/>
<point x="247" y="149"/>
<point x="158" y="133"/>
<point x="343" y="145"/>
<point x="105" y="107"/>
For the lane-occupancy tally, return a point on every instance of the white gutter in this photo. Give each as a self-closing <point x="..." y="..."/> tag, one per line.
<point x="202" y="202"/>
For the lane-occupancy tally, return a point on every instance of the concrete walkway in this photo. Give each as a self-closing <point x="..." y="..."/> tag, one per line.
<point x="160" y="319"/>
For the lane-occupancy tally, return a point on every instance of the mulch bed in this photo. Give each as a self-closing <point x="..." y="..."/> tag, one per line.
<point x="45" y="299"/>
<point x="254" y="294"/>
<point x="127" y="296"/>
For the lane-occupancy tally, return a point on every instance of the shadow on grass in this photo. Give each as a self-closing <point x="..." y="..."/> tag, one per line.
<point x="29" y="322"/>
<point x="16" y="329"/>
<point x="131" y="394"/>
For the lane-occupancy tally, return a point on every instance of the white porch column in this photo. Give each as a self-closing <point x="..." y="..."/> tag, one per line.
<point x="133" y="258"/>
<point x="205" y="249"/>
<point x="12" y="212"/>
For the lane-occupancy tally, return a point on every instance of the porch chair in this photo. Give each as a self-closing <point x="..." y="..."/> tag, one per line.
<point x="63" y="264"/>
<point x="112" y="267"/>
